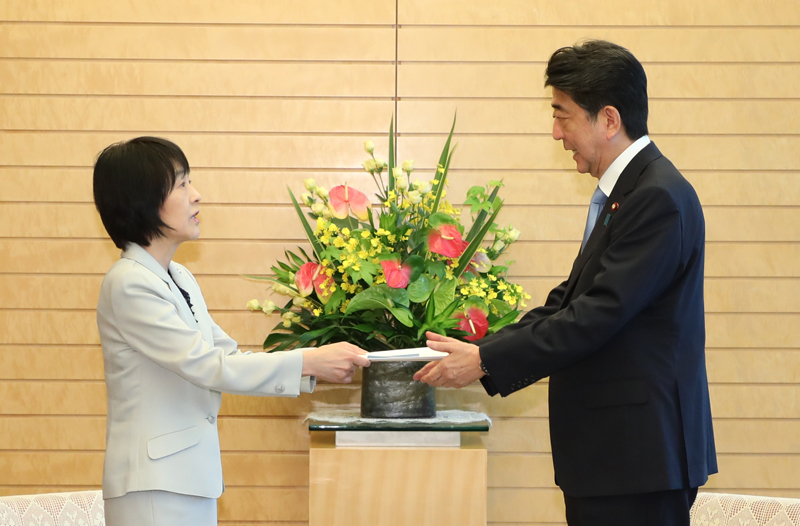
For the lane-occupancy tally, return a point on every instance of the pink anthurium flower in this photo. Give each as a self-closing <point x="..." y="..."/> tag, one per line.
<point x="446" y="240"/>
<point x="397" y="275"/>
<point x="473" y="321"/>
<point x="311" y="277"/>
<point x="480" y="262"/>
<point x="343" y="200"/>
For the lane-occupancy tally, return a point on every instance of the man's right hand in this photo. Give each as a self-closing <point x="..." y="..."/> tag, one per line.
<point x="336" y="362"/>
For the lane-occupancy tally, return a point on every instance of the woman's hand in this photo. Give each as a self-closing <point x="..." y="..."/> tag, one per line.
<point x="334" y="363"/>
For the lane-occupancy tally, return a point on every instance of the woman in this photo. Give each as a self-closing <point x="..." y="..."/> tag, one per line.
<point x="165" y="359"/>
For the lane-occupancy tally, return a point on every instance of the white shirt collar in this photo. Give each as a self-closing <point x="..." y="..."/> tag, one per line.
<point x="609" y="178"/>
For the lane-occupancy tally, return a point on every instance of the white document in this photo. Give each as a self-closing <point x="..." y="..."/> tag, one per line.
<point x="420" y="354"/>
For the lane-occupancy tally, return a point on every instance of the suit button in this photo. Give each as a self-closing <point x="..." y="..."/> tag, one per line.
<point x="211" y="419"/>
<point x="279" y="389"/>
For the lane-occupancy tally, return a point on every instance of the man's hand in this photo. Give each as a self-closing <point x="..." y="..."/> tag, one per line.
<point x="460" y="368"/>
<point x="334" y="363"/>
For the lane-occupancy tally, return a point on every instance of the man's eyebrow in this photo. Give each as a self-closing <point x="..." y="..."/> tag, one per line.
<point x="557" y="106"/>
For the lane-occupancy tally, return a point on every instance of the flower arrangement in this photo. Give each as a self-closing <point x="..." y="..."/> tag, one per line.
<point x="380" y="279"/>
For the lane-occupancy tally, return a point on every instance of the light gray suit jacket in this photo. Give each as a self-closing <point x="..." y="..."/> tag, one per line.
<point x="165" y="368"/>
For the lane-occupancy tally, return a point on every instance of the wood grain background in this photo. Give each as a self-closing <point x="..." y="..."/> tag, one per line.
<point x="261" y="95"/>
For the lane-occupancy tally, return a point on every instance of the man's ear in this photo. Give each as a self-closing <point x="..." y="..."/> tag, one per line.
<point x="613" y="121"/>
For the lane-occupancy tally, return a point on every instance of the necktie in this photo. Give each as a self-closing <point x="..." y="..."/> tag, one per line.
<point x="598" y="200"/>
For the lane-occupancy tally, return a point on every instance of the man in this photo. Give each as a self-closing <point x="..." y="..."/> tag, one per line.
<point x="622" y="339"/>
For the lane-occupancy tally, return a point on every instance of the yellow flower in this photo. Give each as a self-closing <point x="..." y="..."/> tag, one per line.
<point x="408" y="166"/>
<point x="338" y="242"/>
<point x="253" y="305"/>
<point x="370" y="165"/>
<point x="333" y="228"/>
<point x="317" y="312"/>
<point x="365" y="234"/>
<point x="375" y="242"/>
<point x="369" y="146"/>
<point x="346" y="232"/>
<point x="310" y="184"/>
<point x="363" y="254"/>
<point x="392" y="238"/>
<point x="415" y="197"/>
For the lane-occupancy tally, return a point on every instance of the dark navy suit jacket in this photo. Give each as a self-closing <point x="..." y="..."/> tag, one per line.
<point x="622" y="341"/>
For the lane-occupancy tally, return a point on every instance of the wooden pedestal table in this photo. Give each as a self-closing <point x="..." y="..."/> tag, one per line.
<point x="393" y="474"/>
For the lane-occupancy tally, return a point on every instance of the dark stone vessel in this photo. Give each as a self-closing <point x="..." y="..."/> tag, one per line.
<point x="388" y="390"/>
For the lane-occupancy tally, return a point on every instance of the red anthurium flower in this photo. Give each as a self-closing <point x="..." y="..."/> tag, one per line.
<point x="473" y="321"/>
<point x="311" y="277"/>
<point x="343" y="200"/>
<point x="446" y="240"/>
<point x="397" y="275"/>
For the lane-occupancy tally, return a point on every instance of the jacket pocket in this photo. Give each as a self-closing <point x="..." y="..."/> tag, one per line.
<point x="627" y="392"/>
<point x="171" y="443"/>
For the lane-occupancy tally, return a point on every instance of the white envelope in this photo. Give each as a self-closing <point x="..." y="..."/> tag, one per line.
<point x="420" y="354"/>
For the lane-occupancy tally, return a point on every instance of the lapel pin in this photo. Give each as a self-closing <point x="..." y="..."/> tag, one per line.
<point x="614" y="207"/>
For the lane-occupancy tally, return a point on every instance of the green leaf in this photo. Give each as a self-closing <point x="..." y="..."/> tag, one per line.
<point x="421" y="289"/>
<point x="392" y="161"/>
<point x="348" y="222"/>
<point x="447" y="313"/>
<point x="417" y="264"/>
<point x="465" y="258"/>
<point x="508" y="319"/>
<point x="435" y="268"/>
<point x="444" y="295"/>
<point x="377" y="297"/>
<point x="388" y="222"/>
<point x="335" y="300"/>
<point x="279" y="337"/>
<point x="440" y="218"/>
<point x="478" y="224"/>
<point x="313" y="335"/>
<point x="502" y="307"/>
<point x="365" y="327"/>
<point x="403" y="315"/>
<point x="297" y="259"/>
<point x="315" y="244"/>
<point x="444" y="161"/>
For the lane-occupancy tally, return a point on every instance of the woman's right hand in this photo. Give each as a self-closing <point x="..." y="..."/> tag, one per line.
<point x="336" y="362"/>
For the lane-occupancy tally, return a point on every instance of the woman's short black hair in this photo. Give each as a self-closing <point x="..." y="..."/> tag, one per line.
<point x="132" y="180"/>
<point x="596" y="74"/>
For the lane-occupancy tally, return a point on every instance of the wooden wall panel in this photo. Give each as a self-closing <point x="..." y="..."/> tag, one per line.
<point x="264" y="95"/>
<point x="186" y="11"/>
<point x="614" y="13"/>
<point x="535" y="43"/>
<point x="198" y="42"/>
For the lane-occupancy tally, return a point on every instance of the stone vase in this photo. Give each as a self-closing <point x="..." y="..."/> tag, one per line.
<point x="388" y="390"/>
